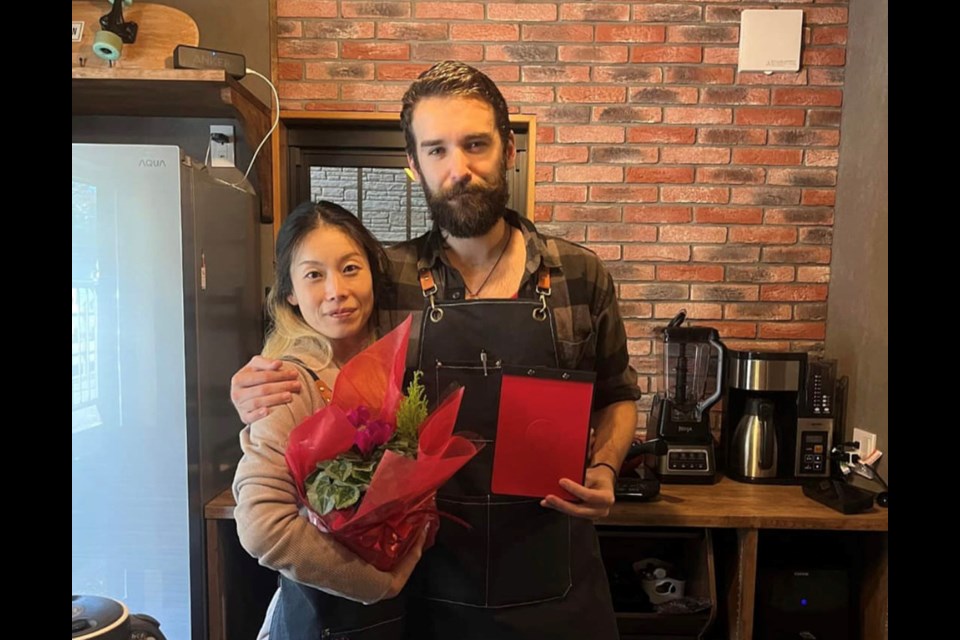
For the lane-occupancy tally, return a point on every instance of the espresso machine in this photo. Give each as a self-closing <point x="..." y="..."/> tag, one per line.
<point x="778" y="423"/>
<point x="689" y="359"/>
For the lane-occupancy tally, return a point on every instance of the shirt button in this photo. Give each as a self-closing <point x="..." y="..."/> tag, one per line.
<point x="456" y="295"/>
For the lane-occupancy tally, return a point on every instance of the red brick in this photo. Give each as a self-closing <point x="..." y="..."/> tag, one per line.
<point x="630" y="33"/>
<point x="339" y="106"/>
<point x="621" y="232"/>
<point x="824" y="57"/>
<point x="500" y="72"/>
<point x="289" y="29"/>
<point x="610" y="54"/>
<point x="575" y="213"/>
<point x="728" y="215"/>
<point x="591" y="133"/>
<point x="561" y="153"/>
<point x="307" y="90"/>
<point x="579" y="173"/>
<point x="659" y="134"/>
<point x="290" y="71"/>
<point x="813" y="274"/>
<point x="556" y="73"/>
<point x="352" y="9"/>
<point x="591" y="94"/>
<point x="623" y="194"/>
<point x="546" y="134"/>
<point x="659" y="175"/>
<point x="694" y="234"/>
<point x="796" y="255"/>
<point x="485" y="32"/>
<point x="697" y="115"/>
<point x="730" y="175"/>
<point x="594" y="12"/>
<point x="718" y="195"/>
<point x="515" y="94"/>
<point x="777" y="117"/>
<point x="623" y="113"/>
<point x="777" y="78"/>
<point x="543" y="174"/>
<point x="660" y="53"/>
<point x="449" y="10"/>
<point x="379" y="91"/>
<point x="565" y="230"/>
<point x="665" y="95"/>
<point x="656" y="213"/>
<point x="699" y="75"/>
<point x="721" y="55"/>
<point x="557" y="33"/>
<point x="627" y="74"/>
<point x="803" y="177"/>
<point x="631" y="271"/>
<point x="692" y="273"/>
<point x="306" y="49"/>
<point x="554" y="193"/>
<point x="804" y="137"/>
<point x="638" y="309"/>
<point x="725" y="253"/>
<point x="658" y="290"/>
<point x="306" y="9"/>
<point x="827" y="197"/>
<point x="793" y="292"/>
<point x="695" y="310"/>
<point x="808" y="97"/>
<point x="340" y="70"/>
<point x="768" y="196"/>
<point x="727" y="292"/>
<point x="763" y="235"/>
<point x="826" y="15"/>
<point x="338" y="30"/>
<point x="827" y="76"/>
<point x="695" y="155"/>
<point x="433" y="52"/>
<point x="735" y="95"/>
<point x="800" y="216"/>
<point x="375" y="51"/>
<point x="409" y="72"/>
<point x="701" y="33"/>
<point x="666" y="13"/>
<point x="795" y="330"/>
<point x="829" y="35"/>
<point x="639" y="347"/>
<point x="724" y="14"/>
<point x="522" y="12"/>
<point x="542" y="213"/>
<point x="622" y="154"/>
<point x="522" y="52"/>
<point x="606" y="252"/>
<point x="821" y="157"/>
<point x="758" y="311"/>
<point x="768" y="157"/>
<point x="411" y="31"/>
<point x="763" y="273"/>
<point x="729" y="330"/>
<point x="722" y="135"/>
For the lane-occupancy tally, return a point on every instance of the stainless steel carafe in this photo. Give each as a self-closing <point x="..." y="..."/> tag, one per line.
<point x="754" y="446"/>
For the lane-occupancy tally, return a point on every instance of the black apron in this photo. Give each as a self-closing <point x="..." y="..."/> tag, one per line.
<point x="520" y="570"/>
<point x="305" y="613"/>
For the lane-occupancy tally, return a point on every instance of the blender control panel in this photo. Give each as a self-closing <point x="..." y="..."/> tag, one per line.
<point x="687" y="460"/>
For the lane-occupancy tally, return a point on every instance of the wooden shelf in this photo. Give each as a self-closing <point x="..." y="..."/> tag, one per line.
<point x="179" y="93"/>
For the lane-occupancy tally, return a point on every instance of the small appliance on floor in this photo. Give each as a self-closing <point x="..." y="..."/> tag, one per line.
<point x="689" y="359"/>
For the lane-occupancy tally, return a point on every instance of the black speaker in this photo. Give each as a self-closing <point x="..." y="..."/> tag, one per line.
<point x="804" y="604"/>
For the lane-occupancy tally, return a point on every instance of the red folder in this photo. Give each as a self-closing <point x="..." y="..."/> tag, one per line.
<point x="543" y="430"/>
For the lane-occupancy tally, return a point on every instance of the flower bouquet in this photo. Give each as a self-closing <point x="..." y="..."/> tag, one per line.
<point x="368" y="465"/>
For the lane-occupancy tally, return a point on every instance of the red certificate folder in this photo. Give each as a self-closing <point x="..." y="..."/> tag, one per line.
<point x="543" y="430"/>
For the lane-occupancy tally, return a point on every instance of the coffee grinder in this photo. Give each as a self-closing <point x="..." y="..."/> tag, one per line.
<point x="689" y="358"/>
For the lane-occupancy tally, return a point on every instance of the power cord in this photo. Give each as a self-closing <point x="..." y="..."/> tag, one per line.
<point x="219" y="137"/>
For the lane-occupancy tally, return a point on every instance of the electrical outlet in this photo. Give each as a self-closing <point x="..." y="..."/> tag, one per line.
<point x="867" y="440"/>
<point x="222" y="153"/>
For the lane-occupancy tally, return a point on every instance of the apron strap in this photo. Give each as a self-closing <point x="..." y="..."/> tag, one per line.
<point x="543" y="290"/>
<point x="429" y="289"/>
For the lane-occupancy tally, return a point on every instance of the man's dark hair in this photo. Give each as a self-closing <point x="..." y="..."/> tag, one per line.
<point x="452" y="79"/>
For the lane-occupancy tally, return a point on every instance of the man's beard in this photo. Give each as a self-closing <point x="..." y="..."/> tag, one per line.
<point x="476" y="209"/>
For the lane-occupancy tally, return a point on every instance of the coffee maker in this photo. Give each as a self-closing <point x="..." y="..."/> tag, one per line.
<point x="689" y="358"/>
<point x="778" y="423"/>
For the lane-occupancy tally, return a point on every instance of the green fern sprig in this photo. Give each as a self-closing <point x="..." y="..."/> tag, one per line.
<point x="412" y="410"/>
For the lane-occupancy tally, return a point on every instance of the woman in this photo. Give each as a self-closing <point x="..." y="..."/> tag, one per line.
<point x="328" y="267"/>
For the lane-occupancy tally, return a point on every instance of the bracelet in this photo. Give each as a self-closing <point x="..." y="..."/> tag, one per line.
<point x="616" y="474"/>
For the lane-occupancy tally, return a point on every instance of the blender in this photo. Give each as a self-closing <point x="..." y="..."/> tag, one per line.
<point x="689" y="359"/>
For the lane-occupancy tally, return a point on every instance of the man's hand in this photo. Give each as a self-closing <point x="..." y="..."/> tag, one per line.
<point x="262" y="383"/>
<point x="595" y="495"/>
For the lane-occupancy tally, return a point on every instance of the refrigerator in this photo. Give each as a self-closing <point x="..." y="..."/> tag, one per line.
<point x="165" y="308"/>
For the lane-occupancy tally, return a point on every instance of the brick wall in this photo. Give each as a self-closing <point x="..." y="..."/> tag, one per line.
<point x="701" y="187"/>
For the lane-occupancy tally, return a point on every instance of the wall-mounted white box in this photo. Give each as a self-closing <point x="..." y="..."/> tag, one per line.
<point x="770" y="40"/>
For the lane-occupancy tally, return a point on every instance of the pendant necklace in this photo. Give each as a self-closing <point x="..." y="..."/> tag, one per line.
<point x="476" y="294"/>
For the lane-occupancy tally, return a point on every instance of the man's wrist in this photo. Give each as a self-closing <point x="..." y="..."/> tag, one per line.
<point x="615" y="471"/>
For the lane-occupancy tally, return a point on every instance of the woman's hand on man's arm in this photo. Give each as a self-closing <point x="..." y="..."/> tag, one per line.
<point x="262" y="383"/>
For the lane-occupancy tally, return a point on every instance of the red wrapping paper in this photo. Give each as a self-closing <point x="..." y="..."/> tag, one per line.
<point x="401" y="498"/>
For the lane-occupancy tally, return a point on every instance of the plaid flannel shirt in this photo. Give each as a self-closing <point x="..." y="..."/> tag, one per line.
<point x="589" y="329"/>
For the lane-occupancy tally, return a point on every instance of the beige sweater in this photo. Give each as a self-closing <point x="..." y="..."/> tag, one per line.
<point x="269" y="523"/>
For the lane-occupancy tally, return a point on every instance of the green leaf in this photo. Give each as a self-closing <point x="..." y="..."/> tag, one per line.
<point x="412" y="410"/>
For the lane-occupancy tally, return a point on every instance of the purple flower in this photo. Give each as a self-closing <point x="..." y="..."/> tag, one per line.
<point x="370" y="434"/>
